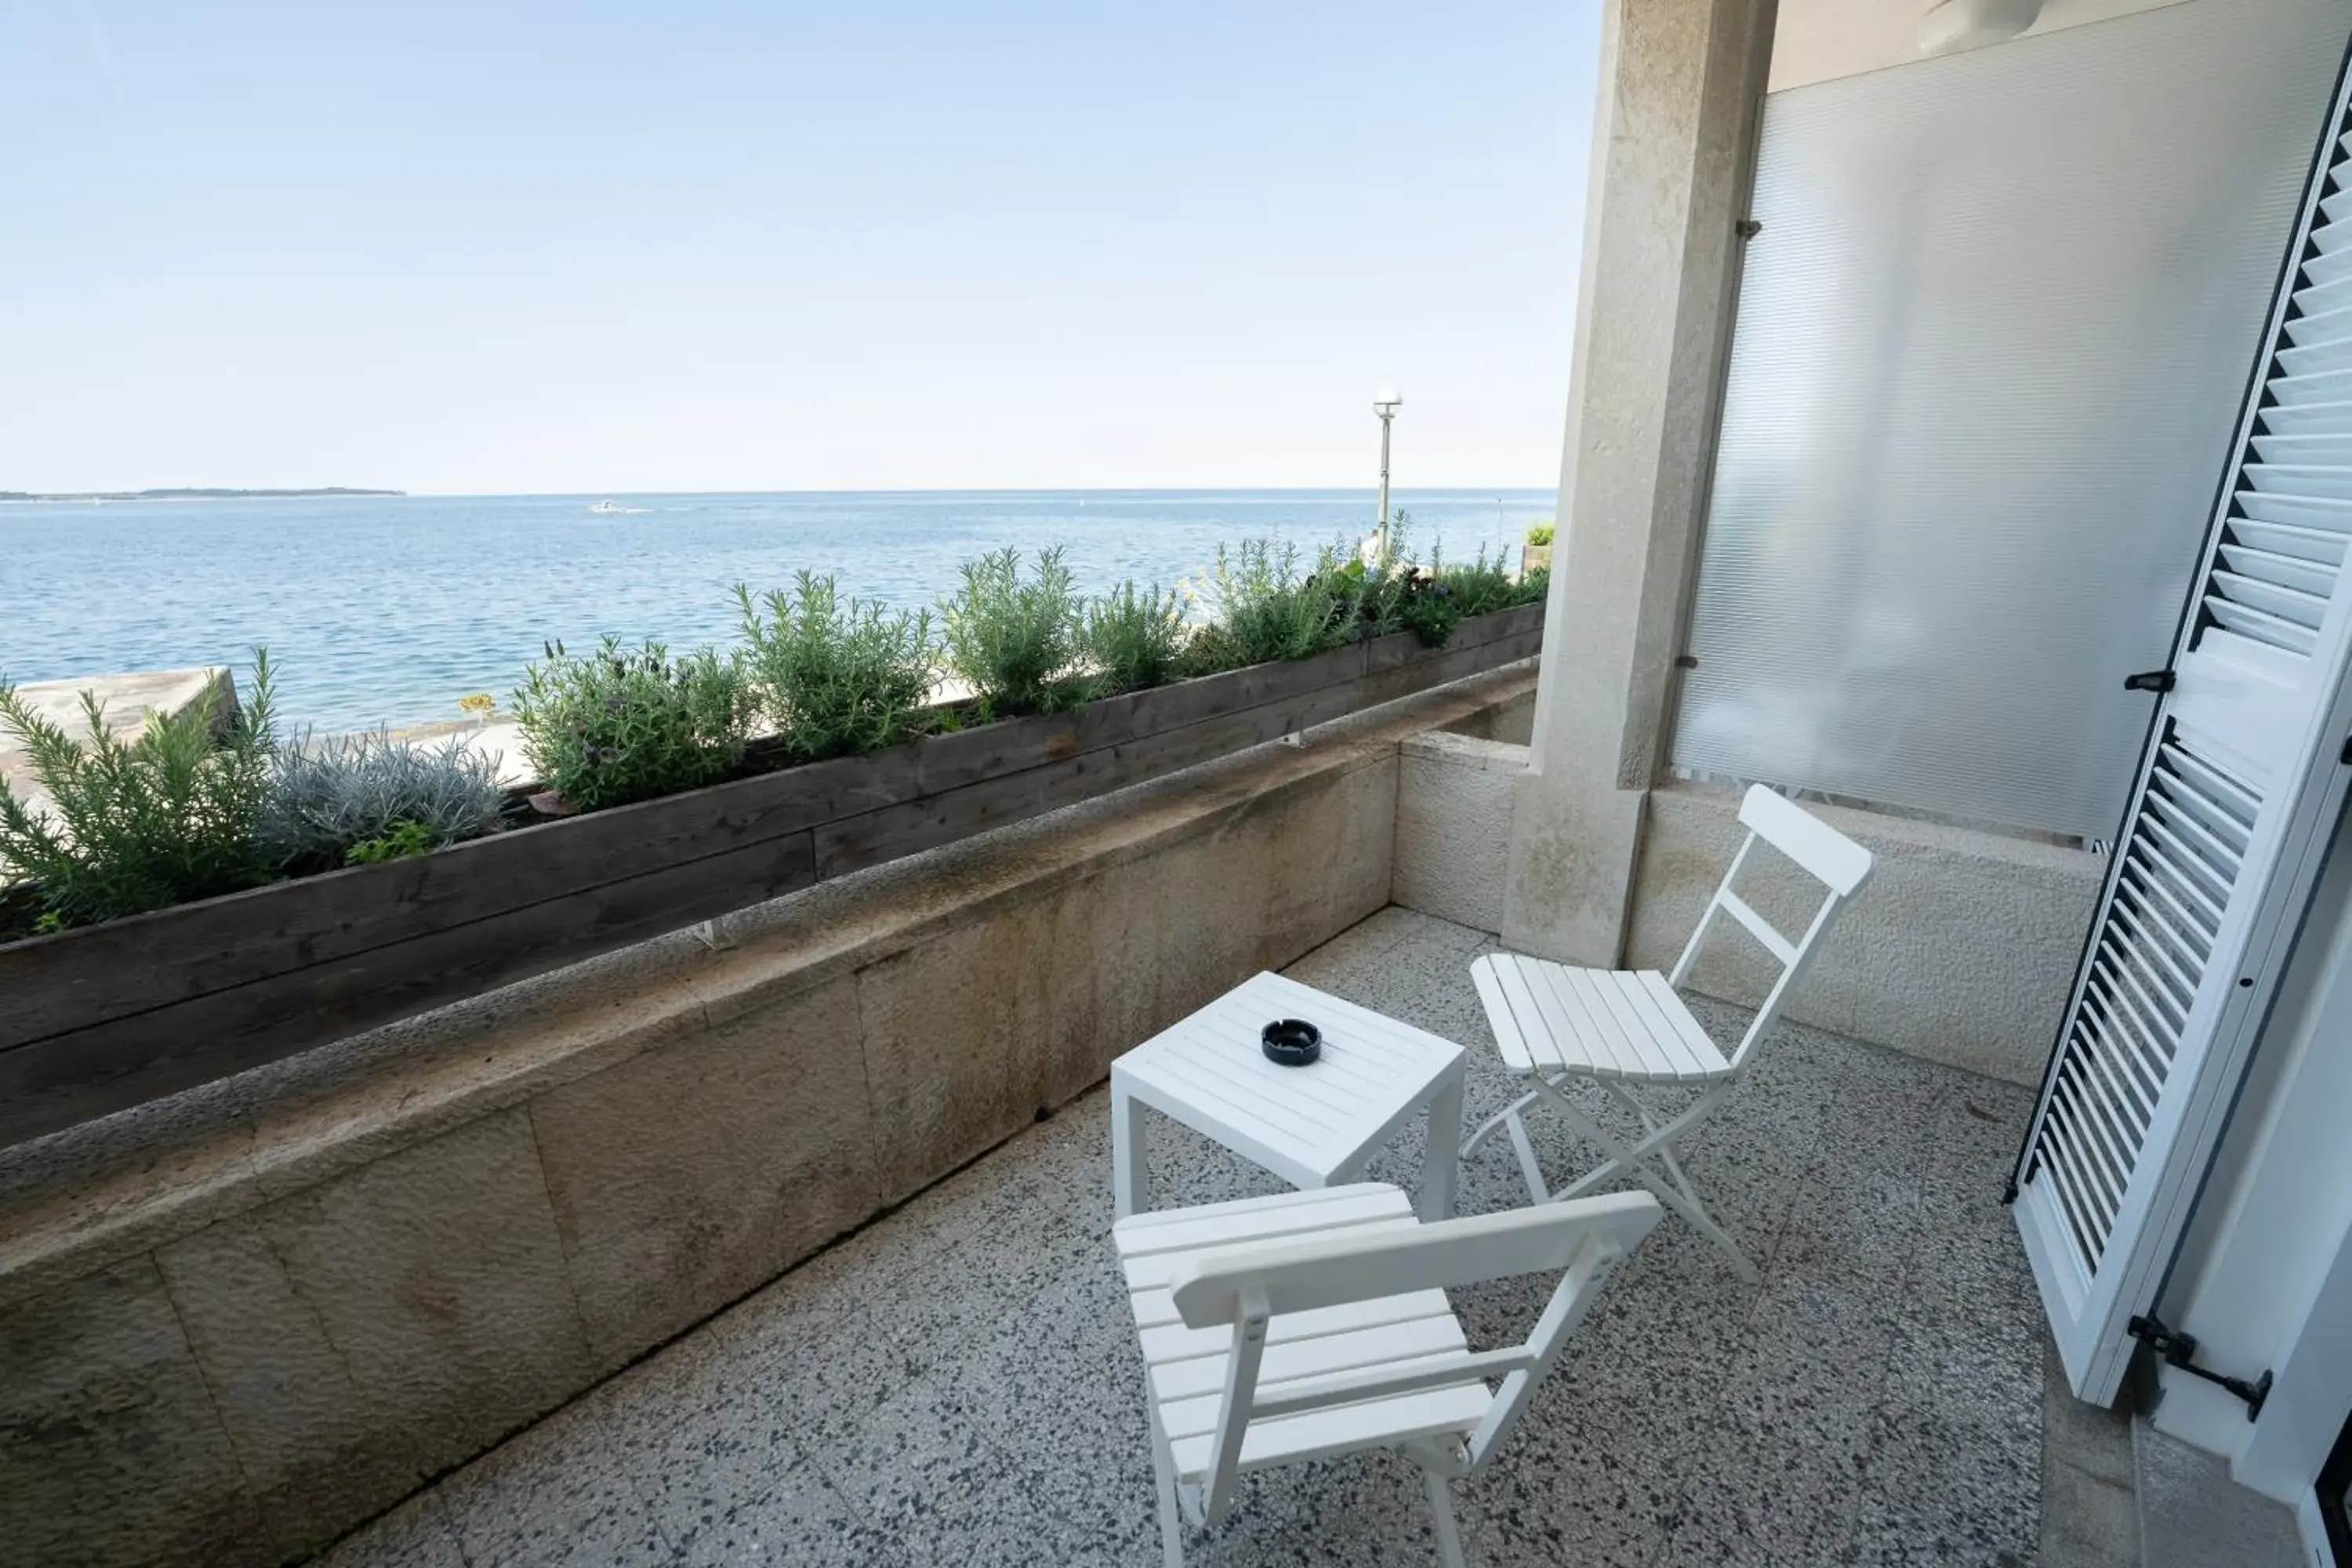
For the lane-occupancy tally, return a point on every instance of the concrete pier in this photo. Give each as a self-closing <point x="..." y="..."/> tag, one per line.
<point x="127" y="701"/>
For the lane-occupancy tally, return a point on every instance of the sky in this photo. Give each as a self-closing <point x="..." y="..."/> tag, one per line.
<point x="528" y="247"/>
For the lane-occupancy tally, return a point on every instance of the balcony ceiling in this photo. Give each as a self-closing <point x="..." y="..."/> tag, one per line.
<point x="1820" y="39"/>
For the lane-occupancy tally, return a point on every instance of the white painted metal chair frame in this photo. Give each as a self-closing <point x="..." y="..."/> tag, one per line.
<point x="1829" y="856"/>
<point x="1249" y="1286"/>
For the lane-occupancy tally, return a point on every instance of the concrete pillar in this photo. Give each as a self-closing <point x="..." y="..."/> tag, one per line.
<point x="1674" y="144"/>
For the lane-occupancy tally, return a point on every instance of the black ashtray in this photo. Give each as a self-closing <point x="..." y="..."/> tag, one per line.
<point x="1291" y="1042"/>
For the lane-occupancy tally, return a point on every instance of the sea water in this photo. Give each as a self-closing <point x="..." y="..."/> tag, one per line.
<point x="386" y="610"/>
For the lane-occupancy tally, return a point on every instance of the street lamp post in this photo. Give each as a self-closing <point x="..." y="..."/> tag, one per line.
<point x="1385" y="402"/>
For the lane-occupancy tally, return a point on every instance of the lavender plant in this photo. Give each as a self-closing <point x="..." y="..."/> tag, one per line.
<point x="623" y="724"/>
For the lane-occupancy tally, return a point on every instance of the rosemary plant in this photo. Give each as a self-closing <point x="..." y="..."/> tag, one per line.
<point x="1134" y="639"/>
<point x="1015" y="641"/>
<point x="835" y="676"/>
<point x="141" y="822"/>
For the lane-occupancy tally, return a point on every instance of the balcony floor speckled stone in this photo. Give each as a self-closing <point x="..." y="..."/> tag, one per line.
<point x="958" y="1383"/>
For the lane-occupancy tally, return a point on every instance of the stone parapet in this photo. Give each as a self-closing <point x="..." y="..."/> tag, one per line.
<point x="241" y="1320"/>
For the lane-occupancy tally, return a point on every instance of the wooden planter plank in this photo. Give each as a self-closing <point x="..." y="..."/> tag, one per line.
<point x="870" y="839"/>
<point x="126" y="967"/>
<point x="90" y="1072"/>
<point x="129" y="966"/>
<point x="122" y="1013"/>
<point x="991" y="751"/>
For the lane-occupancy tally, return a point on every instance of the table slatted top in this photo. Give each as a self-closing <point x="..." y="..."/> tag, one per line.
<point x="1307" y="1123"/>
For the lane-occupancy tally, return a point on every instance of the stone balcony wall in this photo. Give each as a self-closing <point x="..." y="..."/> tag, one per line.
<point x="1961" y="950"/>
<point x="1453" y="826"/>
<point x="235" y="1323"/>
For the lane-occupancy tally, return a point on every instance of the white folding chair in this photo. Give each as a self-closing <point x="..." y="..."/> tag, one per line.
<point x="1316" y="1322"/>
<point x="1626" y="1030"/>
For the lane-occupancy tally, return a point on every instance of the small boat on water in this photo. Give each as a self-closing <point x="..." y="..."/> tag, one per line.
<point x="610" y="508"/>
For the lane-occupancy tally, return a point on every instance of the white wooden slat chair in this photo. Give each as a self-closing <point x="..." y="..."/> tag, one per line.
<point x="1629" y="1030"/>
<point x="1314" y="1323"/>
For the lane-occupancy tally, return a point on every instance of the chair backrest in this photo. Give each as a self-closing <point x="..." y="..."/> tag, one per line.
<point x="1587" y="1237"/>
<point x="1829" y="856"/>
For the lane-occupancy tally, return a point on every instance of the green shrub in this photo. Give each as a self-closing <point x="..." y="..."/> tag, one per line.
<point x="1134" y="640"/>
<point x="1391" y="595"/>
<point x="832" y="677"/>
<point x="329" y="795"/>
<point x="1376" y="590"/>
<point x="168" y="817"/>
<point x="1014" y="641"/>
<point x="1482" y="587"/>
<point x="623" y="724"/>
<point x="400" y="841"/>
<point x="1540" y="533"/>
<point x="1386" y="593"/>
<point x="1427" y="607"/>
<point x="1358" y="600"/>
<point x="1211" y="649"/>
<point x="1266" y="610"/>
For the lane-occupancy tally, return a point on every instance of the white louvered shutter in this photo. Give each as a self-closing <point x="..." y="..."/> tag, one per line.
<point x="2214" y="864"/>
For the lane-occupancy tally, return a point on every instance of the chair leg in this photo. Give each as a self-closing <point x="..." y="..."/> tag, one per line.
<point x="1704" y="1223"/>
<point x="1529" y="1166"/>
<point x="1486" y="1128"/>
<point x="1671" y="1188"/>
<point x="1509" y="1118"/>
<point x="1172" y="1517"/>
<point x="1663" y="1140"/>
<point x="1704" y="1220"/>
<point x="1441" y="1520"/>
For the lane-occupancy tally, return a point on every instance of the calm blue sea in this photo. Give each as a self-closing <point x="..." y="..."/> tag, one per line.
<point x="386" y="610"/>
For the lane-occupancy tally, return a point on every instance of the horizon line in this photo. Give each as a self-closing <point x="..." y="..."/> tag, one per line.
<point x="388" y="492"/>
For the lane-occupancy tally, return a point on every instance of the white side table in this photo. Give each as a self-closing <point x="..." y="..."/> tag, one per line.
<point x="1312" y="1126"/>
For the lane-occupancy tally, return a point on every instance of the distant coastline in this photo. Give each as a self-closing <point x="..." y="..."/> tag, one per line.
<point x="188" y="493"/>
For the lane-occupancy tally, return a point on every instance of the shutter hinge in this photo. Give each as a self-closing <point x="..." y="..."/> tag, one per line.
<point x="2179" y="1349"/>
<point x="2028" y="1165"/>
<point x="2156" y="681"/>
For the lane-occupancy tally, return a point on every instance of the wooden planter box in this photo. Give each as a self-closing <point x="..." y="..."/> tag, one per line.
<point x="99" y="1019"/>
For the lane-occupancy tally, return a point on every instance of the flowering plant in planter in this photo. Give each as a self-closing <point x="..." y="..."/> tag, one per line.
<point x="623" y="724"/>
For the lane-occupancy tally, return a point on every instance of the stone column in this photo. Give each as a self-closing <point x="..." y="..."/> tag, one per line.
<point x="1673" y="145"/>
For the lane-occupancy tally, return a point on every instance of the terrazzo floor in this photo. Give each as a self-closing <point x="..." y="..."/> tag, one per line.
<point x="957" y="1383"/>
